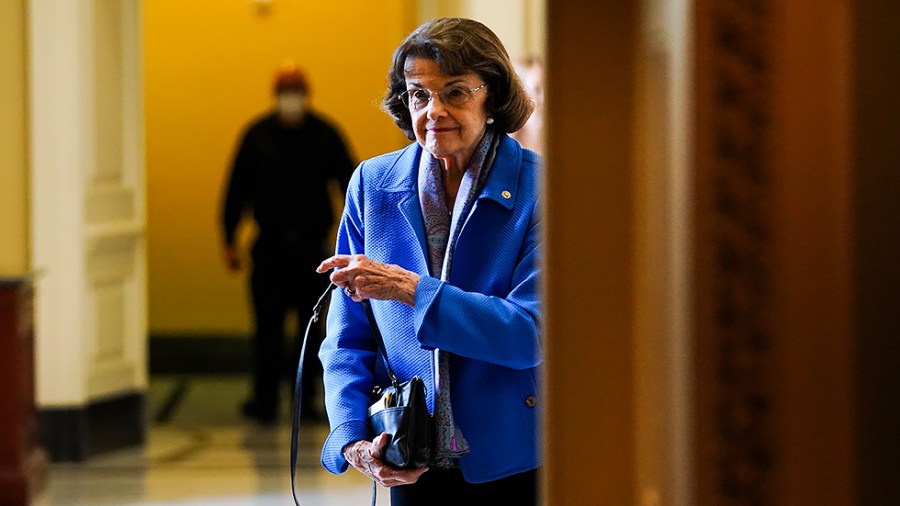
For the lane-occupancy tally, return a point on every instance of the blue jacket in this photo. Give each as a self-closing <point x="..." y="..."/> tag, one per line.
<point x="487" y="316"/>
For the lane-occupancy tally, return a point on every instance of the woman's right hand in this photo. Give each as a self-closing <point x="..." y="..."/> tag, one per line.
<point x="363" y="455"/>
<point x="364" y="278"/>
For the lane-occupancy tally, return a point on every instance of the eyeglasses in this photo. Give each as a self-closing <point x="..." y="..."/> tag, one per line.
<point x="453" y="96"/>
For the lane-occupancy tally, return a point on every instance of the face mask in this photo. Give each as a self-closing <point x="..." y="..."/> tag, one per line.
<point x="291" y="105"/>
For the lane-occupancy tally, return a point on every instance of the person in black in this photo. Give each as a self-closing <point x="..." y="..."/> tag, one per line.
<point x="281" y="174"/>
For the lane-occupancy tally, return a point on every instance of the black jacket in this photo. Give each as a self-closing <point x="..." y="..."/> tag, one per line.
<point x="281" y="174"/>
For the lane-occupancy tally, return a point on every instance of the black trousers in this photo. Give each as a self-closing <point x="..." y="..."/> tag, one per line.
<point x="438" y="487"/>
<point x="279" y="286"/>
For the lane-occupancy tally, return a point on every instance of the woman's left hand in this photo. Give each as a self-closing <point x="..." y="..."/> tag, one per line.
<point x="363" y="278"/>
<point x="363" y="455"/>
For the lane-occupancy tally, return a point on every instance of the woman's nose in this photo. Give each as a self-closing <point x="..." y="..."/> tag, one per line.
<point x="435" y="107"/>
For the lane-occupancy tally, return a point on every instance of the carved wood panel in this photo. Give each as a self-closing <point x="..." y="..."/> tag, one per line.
<point x="736" y="328"/>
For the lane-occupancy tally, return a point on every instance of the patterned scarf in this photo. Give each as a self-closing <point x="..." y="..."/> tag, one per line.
<point x="441" y="231"/>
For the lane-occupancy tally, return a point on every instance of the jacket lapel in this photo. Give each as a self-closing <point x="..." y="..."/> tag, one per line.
<point x="401" y="179"/>
<point x="502" y="186"/>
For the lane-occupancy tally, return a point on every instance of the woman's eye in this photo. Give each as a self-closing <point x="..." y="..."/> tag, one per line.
<point x="456" y="93"/>
<point x="419" y="95"/>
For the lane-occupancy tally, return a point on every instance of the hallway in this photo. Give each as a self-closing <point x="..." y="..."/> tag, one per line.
<point x="200" y="451"/>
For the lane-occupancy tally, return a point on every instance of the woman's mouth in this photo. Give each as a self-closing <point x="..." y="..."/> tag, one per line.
<point x="440" y="130"/>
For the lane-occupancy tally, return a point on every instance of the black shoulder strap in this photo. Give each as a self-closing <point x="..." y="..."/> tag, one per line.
<point x="298" y="382"/>
<point x="298" y="389"/>
<point x="376" y="333"/>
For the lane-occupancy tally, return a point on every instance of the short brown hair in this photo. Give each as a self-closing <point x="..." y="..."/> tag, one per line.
<point x="461" y="46"/>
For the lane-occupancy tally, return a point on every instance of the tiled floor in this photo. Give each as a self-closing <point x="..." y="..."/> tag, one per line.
<point x="205" y="454"/>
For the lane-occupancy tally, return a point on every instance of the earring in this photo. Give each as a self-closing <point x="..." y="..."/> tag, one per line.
<point x="490" y="121"/>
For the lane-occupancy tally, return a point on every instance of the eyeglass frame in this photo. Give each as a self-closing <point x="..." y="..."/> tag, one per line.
<point x="408" y="102"/>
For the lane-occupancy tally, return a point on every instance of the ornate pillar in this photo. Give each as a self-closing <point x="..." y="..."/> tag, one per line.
<point x="773" y="334"/>
<point x="734" y="262"/>
<point x="87" y="222"/>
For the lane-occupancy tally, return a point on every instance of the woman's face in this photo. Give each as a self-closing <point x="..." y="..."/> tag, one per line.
<point x="442" y="129"/>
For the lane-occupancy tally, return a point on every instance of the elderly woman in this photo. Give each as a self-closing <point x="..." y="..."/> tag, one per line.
<point x="443" y="238"/>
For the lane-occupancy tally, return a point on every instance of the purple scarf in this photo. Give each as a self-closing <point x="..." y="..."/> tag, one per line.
<point x="441" y="231"/>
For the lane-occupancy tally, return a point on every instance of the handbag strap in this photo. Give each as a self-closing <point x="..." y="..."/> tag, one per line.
<point x="298" y="390"/>
<point x="298" y="382"/>
<point x="376" y="333"/>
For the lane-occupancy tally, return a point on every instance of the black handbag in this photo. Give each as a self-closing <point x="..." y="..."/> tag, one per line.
<point x="399" y="409"/>
<point x="401" y="412"/>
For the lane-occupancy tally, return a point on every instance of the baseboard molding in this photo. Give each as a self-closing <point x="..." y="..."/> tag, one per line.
<point x="199" y="354"/>
<point x="74" y="434"/>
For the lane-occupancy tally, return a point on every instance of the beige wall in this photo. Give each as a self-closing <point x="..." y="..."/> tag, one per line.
<point x="209" y="66"/>
<point x="520" y="24"/>
<point x="13" y="151"/>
